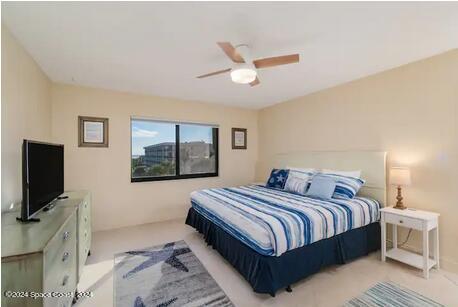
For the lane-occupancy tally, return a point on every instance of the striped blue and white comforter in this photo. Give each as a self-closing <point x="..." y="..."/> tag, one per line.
<point x="273" y="221"/>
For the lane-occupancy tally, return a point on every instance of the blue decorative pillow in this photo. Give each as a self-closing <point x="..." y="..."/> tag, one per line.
<point x="321" y="187"/>
<point x="277" y="178"/>
<point x="346" y="187"/>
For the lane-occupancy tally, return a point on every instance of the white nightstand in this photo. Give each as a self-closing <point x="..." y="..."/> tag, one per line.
<point x="416" y="219"/>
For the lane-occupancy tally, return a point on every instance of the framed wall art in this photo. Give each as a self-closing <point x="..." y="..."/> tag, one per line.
<point x="239" y="138"/>
<point x="92" y="131"/>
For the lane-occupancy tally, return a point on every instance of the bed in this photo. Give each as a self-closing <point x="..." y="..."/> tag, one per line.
<point x="275" y="238"/>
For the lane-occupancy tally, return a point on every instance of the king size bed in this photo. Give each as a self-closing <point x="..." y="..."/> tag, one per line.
<point x="275" y="238"/>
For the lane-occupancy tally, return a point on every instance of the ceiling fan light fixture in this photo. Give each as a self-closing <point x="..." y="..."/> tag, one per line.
<point x="243" y="74"/>
<point x="245" y="69"/>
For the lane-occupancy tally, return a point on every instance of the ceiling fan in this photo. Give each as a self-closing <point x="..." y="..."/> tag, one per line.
<point x="245" y="68"/>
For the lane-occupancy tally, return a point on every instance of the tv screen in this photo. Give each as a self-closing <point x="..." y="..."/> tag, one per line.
<point x="42" y="174"/>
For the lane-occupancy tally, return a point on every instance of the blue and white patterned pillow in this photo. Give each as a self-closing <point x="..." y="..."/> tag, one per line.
<point x="277" y="178"/>
<point x="346" y="187"/>
<point x="298" y="181"/>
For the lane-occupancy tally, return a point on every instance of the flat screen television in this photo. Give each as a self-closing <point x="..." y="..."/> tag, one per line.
<point x="42" y="176"/>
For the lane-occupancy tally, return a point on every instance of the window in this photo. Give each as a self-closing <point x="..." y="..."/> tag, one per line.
<point x="166" y="150"/>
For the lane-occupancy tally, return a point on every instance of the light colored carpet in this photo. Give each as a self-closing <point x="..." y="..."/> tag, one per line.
<point x="331" y="287"/>
<point x="390" y="294"/>
<point x="165" y="275"/>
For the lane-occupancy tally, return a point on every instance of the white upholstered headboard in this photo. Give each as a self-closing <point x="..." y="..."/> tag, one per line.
<point x="371" y="163"/>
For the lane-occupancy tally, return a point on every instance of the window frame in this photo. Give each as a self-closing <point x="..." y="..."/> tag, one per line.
<point x="215" y="140"/>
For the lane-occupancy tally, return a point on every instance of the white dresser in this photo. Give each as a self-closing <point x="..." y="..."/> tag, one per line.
<point x="47" y="256"/>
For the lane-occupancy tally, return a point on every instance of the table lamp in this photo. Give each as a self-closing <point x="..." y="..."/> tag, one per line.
<point x="400" y="176"/>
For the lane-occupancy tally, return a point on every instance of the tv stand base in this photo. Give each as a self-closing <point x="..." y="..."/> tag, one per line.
<point x="31" y="220"/>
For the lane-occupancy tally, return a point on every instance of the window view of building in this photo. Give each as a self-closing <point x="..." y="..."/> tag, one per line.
<point x="197" y="150"/>
<point x="160" y="153"/>
<point x="148" y="149"/>
<point x="154" y="150"/>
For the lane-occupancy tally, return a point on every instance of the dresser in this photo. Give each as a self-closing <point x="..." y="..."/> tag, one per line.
<point x="48" y="256"/>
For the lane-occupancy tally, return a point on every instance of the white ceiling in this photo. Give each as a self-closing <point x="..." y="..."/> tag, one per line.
<point x="159" y="48"/>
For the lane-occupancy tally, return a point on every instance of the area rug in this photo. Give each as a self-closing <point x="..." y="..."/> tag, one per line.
<point x="390" y="294"/>
<point x="166" y="275"/>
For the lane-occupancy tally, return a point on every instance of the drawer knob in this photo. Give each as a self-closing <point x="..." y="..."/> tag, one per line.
<point x="65" y="256"/>
<point x="401" y="221"/>
<point x="66" y="235"/>
<point x="65" y="280"/>
<point x="85" y="219"/>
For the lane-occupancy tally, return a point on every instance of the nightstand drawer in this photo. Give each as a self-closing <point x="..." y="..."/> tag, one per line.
<point x="403" y="221"/>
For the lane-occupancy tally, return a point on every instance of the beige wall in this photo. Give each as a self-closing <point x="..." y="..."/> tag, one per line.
<point x="410" y="112"/>
<point x="26" y="112"/>
<point x="106" y="171"/>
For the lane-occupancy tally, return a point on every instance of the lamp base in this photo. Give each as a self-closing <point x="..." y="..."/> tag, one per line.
<point x="399" y="204"/>
<point x="400" y="207"/>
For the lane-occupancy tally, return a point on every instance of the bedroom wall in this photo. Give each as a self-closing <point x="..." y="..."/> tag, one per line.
<point x="26" y="112"/>
<point x="106" y="171"/>
<point x="410" y="112"/>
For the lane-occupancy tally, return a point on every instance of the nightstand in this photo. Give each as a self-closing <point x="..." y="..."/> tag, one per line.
<point x="423" y="221"/>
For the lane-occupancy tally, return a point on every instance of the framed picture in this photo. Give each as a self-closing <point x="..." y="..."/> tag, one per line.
<point x="239" y="138"/>
<point x="92" y="131"/>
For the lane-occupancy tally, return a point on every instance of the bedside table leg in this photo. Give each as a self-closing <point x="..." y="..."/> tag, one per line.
<point x="425" y="254"/>
<point x="436" y="247"/>
<point x="383" y="231"/>
<point x="395" y="236"/>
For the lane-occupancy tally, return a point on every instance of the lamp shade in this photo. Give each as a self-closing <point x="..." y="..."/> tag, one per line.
<point x="400" y="176"/>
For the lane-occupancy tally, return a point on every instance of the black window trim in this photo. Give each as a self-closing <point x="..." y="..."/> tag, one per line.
<point x="215" y="134"/>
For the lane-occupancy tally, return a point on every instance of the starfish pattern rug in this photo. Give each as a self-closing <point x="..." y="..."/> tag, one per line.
<point x="165" y="275"/>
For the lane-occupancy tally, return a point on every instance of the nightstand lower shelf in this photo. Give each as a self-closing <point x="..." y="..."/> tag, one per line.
<point x="410" y="258"/>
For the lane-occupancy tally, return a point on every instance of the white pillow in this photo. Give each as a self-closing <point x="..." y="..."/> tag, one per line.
<point x="303" y="170"/>
<point x="354" y="174"/>
<point x="298" y="181"/>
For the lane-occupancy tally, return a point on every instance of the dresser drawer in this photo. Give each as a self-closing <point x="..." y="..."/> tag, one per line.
<point x="403" y="221"/>
<point x="62" y="279"/>
<point x="66" y="288"/>
<point x="86" y="206"/>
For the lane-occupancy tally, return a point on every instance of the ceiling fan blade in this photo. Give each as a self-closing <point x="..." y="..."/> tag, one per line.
<point x="230" y="51"/>
<point x="275" y="61"/>
<point x="214" y="73"/>
<point x="255" y="82"/>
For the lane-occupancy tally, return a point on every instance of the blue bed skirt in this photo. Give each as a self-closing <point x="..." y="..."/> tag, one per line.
<point x="267" y="274"/>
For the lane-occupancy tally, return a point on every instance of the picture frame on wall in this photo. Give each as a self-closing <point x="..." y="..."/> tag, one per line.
<point x="239" y="138"/>
<point x="92" y="131"/>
